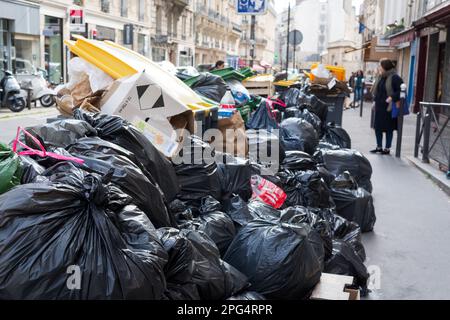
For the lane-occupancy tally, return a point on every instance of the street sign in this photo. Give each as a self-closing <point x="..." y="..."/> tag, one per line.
<point x="295" y="37"/>
<point x="76" y="19"/>
<point x="251" y="7"/>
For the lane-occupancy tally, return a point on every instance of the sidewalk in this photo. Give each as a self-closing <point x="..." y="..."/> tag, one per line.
<point x="410" y="243"/>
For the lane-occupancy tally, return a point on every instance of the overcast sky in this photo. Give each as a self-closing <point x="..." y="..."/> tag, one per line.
<point x="281" y="4"/>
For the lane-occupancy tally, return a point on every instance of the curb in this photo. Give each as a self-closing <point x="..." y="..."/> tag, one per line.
<point x="9" y="116"/>
<point x="438" y="177"/>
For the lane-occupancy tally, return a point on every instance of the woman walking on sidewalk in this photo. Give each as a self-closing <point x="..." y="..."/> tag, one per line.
<point x="386" y="91"/>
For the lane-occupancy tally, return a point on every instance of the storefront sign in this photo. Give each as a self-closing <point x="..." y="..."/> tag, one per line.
<point x="105" y="33"/>
<point x="76" y="20"/>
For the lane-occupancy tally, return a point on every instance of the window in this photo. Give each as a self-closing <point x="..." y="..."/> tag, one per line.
<point x="124" y="8"/>
<point x="143" y="44"/>
<point x="183" y="27"/>
<point x="141" y="5"/>
<point x="158" y="20"/>
<point x="158" y="54"/>
<point x="104" y="6"/>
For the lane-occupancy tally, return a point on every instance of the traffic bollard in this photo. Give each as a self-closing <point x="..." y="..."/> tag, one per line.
<point x="400" y="119"/>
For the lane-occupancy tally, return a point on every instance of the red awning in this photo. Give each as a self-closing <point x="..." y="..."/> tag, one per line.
<point x="402" y="37"/>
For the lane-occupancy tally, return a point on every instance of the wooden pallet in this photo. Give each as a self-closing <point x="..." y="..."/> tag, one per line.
<point x="260" y="88"/>
<point x="333" y="287"/>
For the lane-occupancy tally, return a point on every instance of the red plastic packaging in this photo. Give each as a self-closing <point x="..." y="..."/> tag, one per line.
<point x="268" y="192"/>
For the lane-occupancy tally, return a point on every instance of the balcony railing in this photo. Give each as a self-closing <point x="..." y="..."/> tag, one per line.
<point x="161" y="38"/>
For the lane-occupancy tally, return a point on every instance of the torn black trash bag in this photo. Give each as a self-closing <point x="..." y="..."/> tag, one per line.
<point x="119" y="131"/>
<point x="77" y="221"/>
<point x="197" y="171"/>
<point x="298" y="135"/>
<point x="336" y="135"/>
<point x="344" y="261"/>
<point x="126" y="175"/>
<point x="305" y="188"/>
<point x="210" y="86"/>
<point x="282" y="261"/>
<point x="353" y="203"/>
<point x="339" y="161"/>
<point x="195" y="269"/>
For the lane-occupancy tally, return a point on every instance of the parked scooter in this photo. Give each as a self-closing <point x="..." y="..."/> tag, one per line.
<point x="10" y="94"/>
<point x="37" y="84"/>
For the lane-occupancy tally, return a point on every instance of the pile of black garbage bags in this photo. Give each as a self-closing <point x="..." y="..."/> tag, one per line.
<point x="127" y="223"/>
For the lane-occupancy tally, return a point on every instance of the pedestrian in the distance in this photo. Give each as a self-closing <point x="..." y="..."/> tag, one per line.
<point x="359" y="85"/>
<point x="219" y="65"/>
<point x="386" y="91"/>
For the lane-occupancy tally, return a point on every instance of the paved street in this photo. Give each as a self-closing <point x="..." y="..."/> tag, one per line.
<point x="9" y="121"/>
<point x="413" y="223"/>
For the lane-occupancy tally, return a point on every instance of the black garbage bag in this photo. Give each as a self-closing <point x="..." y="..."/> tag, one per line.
<point x="197" y="171"/>
<point x="326" y="175"/>
<point x="291" y="97"/>
<point x="194" y="270"/>
<point x="305" y="188"/>
<point x="263" y="118"/>
<point x="336" y="135"/>
<point x="292" y="112"/>
<point x="339" y="161"/>
<point x="214" y="223"/>
<point x="315" y="105"/>
<point x="120" y="132"/>
<point x="99" y="145"/>
<point x="327" y="146"/>
<point x="301" y="215"/>
<point x="235" y="175"/>
<point x="265" y="149"/>
<point x="343" y="230"/>
<point x="353" y="203"/>
<point x="131" y="180"/>
<point x="239" y="212"/>
<point x="298" y="160"/>
<point x="263" y="211"/>
<point x="346" y="262"/>
<point x="59" y="134"/>
<point x="312" y="119"/>
<point x="299" y="135"/>
<point x="210" y="86"/>
<point x="77" y="224"/>
<point x="247" y="296"/>
<point x="31" y="169"/>
<point x="282" y="261"/>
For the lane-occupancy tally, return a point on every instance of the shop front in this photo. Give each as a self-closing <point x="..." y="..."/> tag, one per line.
<point x="19" y="36"/>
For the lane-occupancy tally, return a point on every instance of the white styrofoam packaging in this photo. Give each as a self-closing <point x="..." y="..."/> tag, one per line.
<point x="141" y="101"/>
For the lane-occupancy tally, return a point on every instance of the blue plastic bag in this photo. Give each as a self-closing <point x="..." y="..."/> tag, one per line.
<point x="396" y="111"/>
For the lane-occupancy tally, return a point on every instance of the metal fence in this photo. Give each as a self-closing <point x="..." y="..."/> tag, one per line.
<point x="433" y="133"/>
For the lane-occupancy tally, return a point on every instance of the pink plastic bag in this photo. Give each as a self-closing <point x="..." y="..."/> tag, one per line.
<point x="41" y="153"/>
<point x="267" y="192"/>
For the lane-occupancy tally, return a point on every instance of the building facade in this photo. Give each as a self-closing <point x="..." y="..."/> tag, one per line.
<point x="173" y="31"/>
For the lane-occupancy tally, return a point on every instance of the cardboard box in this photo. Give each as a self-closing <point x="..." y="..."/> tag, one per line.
<point x="334" y="287"/>
<point x="141" y="101"/>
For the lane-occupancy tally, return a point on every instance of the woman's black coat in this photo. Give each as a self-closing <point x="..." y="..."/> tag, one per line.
<point x="383" y="118"/>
